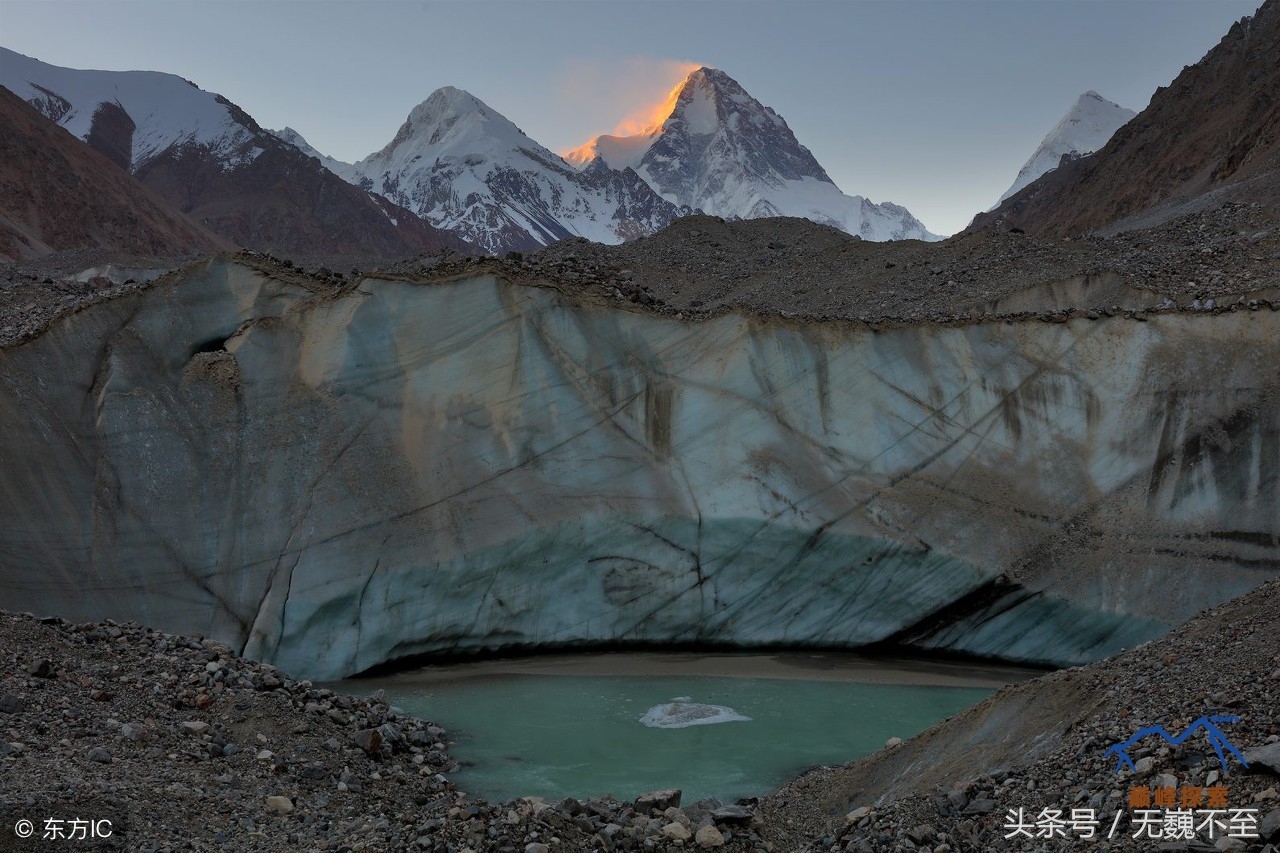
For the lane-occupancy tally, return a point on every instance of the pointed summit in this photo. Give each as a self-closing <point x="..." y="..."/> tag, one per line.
<point x="710" y="99"/>
<point x="1085" y="128"/>
<point x="297" y="140"/>
<point x="448" y="104"/>
<point x="464" y="167"/>
<point x="719" y="149"/>
<point x="449" y="100"/>
<point x="706" y="101"/>
<point x="716" y="130"/>
<point x="450" y="120"/>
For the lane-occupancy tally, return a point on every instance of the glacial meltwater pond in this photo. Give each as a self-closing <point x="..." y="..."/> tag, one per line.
<point x="727" y="726"/>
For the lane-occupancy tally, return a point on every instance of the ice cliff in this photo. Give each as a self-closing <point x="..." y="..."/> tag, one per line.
<point x="333" y="481"/>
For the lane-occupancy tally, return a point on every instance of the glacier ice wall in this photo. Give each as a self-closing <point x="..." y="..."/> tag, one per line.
<point x="333" y="481"/>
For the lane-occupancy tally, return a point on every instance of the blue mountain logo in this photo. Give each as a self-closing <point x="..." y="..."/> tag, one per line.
<point x="1210" y="725"/>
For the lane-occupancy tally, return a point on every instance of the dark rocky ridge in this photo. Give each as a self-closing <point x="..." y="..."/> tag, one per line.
<point x="249" y="187"/>
<point x="1215" y="128"/>
<point x="284" y="201"/>
<point x="705" y="266"/>
<point x="57" y="193"/>
<point x="1226" y="258"/>
<point x="111" y="134"/>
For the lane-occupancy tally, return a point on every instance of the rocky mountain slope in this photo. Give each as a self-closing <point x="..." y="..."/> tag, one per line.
<point x="1213" y="134"/>
<point x="1085" y="128"/>
<point x="208" y="158"/>
<point x="465" y="168"/>
<point x="57" y="193"/>
<point x="722" y="151"/>
<point x="1043" y="744"/>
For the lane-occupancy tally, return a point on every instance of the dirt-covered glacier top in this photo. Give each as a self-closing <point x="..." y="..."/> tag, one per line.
<point x="1227" y="258"/>
<point x="703" y="266"/>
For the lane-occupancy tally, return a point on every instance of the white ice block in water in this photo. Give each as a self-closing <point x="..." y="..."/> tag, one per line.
<point x="683" y="712"/>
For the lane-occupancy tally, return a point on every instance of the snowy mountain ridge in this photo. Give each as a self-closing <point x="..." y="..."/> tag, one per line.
<point x="1086" y="127"/>
<point x="723" y="151"/>
<point x="456" y="163"/>
<point x="466" y="168"/>
<point x="165" y="109"/>
<point x="209" y="159"/>
<point x="291" y="137"/>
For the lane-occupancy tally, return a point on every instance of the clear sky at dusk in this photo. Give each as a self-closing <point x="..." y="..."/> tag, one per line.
<point x="933" y="104"/>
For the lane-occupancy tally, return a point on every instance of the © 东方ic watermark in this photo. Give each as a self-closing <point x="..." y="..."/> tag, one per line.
<point x="63" y="829"/>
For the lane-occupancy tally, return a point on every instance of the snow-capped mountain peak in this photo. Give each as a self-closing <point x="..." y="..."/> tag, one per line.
<point x="346" y="171"/>
<point x="143" y="113"/>
<point x="466" y="168"/>
<point x="713" y="106"/>
<point x="448" y="103"/>
<point x="213" y="161"/>
<point x="452" y="121"/>
<point x="721" y="150"/>
<point x="710" y="98"/>
<point x="1086" y="127"/>
<point x="296" y="139"/>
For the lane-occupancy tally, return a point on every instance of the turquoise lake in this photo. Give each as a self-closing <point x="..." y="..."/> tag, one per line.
<point x="568" y="727"/>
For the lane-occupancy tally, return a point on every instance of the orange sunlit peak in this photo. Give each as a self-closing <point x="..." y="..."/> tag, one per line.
<point x="648" y="119"/>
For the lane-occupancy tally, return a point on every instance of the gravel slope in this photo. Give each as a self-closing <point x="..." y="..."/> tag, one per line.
<point x="184" y="746"/>
<point x="1042" y="744"/>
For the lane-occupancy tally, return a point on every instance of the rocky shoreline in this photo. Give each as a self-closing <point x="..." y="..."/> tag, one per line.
<point x="182" y="745"/>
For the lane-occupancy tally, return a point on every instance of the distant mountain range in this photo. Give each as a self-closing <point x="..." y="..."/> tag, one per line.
<point x="460" y="175"/>
<point x="457" y="173"/>
<point x="464" y="167"/>
<point x="208" y="159"/>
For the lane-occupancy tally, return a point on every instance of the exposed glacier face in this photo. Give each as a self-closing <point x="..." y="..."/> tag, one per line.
<point x="1086" y="127"/>
<point x="333" y="481"/>
<point x="726" y="153"/>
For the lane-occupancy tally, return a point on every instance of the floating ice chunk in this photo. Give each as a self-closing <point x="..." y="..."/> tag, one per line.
<point x="683" y="713"/>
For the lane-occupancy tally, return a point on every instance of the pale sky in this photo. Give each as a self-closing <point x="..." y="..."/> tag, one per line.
<point x="932" y="104"/>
